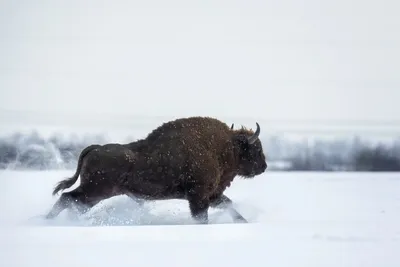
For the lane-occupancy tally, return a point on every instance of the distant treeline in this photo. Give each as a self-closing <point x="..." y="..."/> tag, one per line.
<point x="34" y="152"/>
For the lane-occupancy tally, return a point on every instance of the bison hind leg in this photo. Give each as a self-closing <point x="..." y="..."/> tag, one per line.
<point x="77" y="198"/>
<point x="64" y="202"/>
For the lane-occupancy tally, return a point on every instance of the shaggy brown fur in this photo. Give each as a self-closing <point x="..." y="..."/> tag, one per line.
<point x="192" y="158"/>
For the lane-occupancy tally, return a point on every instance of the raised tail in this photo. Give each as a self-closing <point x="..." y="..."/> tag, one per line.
<point x="64" y="184"/>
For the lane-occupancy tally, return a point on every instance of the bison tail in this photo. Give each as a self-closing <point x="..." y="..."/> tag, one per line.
<point x="64" y="184"/>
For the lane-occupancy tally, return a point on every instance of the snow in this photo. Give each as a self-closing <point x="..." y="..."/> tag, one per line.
<point x="295" y="219"/>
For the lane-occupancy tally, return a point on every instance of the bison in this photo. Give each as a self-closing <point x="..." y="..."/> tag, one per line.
<point x="193" y="159"/>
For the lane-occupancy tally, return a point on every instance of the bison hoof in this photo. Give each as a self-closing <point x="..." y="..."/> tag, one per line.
<point x="239" y="219"/>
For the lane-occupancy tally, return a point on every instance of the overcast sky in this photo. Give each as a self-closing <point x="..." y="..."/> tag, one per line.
<point x="291" y="59"/>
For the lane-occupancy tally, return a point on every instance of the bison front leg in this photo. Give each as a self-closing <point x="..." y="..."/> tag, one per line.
<point x="198" y="203"/>
<point x="224" y="202"/>
<point x="199" y="209"/>
<point x="139" y="201"/>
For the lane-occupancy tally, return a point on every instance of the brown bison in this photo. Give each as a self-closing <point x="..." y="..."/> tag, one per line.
<point x="194" y="159"/>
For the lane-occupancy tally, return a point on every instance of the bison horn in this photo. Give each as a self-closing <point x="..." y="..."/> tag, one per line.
<point x="254" y="137"/>
<point x="232" y="126"/>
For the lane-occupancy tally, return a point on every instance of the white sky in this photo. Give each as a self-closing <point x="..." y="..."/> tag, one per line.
<point x="272" y="59"/>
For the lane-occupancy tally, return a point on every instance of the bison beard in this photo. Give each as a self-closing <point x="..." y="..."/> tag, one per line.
<point x="194" y="159"/>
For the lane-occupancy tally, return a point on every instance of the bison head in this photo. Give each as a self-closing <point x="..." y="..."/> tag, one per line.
<point x="251" y="158"/>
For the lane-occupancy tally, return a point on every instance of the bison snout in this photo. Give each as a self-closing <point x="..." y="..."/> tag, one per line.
<point x="264" y="166"/>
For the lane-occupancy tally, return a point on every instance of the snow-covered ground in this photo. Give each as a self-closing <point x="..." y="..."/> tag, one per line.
<point x="296" y="219"/>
